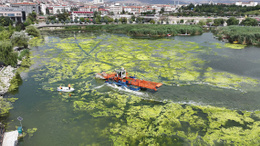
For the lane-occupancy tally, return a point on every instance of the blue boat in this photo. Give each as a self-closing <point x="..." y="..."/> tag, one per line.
<point x="124" y="85"/>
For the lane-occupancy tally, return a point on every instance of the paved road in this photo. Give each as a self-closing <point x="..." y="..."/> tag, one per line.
<point x="172" y="20"/>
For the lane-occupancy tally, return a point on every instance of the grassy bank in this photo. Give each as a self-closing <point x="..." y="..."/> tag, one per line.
<point x="143" y="29"/>
<point x="246" y="35"/>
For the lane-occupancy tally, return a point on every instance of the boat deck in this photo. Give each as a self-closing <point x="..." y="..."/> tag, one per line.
<point x="133" y="81"/>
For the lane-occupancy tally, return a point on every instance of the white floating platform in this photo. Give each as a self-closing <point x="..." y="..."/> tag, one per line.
<point x="10" y="138"/>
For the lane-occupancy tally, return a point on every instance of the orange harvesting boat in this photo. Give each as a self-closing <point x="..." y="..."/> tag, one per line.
<point x="120" y="77"/>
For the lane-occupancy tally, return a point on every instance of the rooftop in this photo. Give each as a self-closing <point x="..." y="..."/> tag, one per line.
<point x="24" y="3"/>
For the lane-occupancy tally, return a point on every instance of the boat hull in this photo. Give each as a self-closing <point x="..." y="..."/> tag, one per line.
<point x="65" y="89"/>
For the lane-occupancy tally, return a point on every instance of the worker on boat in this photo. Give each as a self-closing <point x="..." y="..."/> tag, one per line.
<point x="69" y="86"/>
<point x="60" y="87"/>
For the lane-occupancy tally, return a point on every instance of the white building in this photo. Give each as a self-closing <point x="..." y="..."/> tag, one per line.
<point x="81" y="14"/>
<point x="61" y="8"/>
<point x="116" y="9"/>
<point x="248" y="4"/>
<point x="43" y="8"/>
<point x="98" y="1"/>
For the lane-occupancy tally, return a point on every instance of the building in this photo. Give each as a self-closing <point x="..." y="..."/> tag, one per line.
<point x="28" y="7"/>
<point x="88" y="8"/>
<point x="81" y="14"/>
<point x="133" y="9"/>
<point x="98" y="1"/>
<point x="16" y="14"/>
<point x="248" y="4"/>
<point x="116" y="9"/>
<point x="43" y="8"/>
<point x="60" y="9"/>
<point x="103" y="11"/>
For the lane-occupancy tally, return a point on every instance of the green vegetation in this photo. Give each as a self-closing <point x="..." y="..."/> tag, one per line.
<point x="143" y="29"/>
<point x="15" y="82"/>
<point x="7" y="55"/>
<point x="232" y="21"/>
<point x="155" y="123"/>
<point x="254" y="12"/>
<point x="249" y="22"/>
<point x="6" y="105"/>
<point x="23" y="53"/>
<point x="215" y="10"/>
<point x="31" y="19"/>
<point x="134" y="120"/>
<point x="5" y="21"/>
<point x="31" y="30"/>
<point x="218" y="22"/>
<point x="20" y="39"/>
<point x="31" y="131"/>
<point x="243" y="35"/>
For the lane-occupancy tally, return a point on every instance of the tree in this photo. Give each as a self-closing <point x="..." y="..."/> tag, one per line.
<point x="202" y="22"/>
<point x="152" y="21"/>
<point x="51" y="18"/>
<point x="32" y="16"/>
<point x="5" y="35"/>
<point x="95" y="14"/>
<point x="76" y="20"/>
<point x="218" y="22"/>
<point x="47" y="22"/>
<point x="123" y="20"/>
<point x="162" y="10"/>
<point x="161" y="21"/>
<point x="249" y="22"/>
<point x="67" y="21"/>
<point x="27" y="22"/>
<point x="116" y="20"/>
<point x="31" y="30"/>
<point x="88" y="20"/>
<point x="208" y="21"/>
<point x="111" y="13"/>
<point x="133" y="18"/>
<point x="19" y="26"/>
<point x="5" y="21"/>
<point x="20" y="39"/>
<point x="108" y="18"/>
<point x="232" y="21"/>
<point x="123" y="11"/>
<point x="47" y="11"/>
<point x="7" y="55"/>
<point x="139" y="19"/>
<point x="63" y="16"/>
<point x="58" y="11"/>
<point x="82" y="19"/>
<point x="106" y="21"/>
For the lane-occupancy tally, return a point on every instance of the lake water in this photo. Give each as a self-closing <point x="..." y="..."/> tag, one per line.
<point x="210" y="92"/>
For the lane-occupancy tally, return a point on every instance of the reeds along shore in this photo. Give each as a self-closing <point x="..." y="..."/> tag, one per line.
<point x="144" y="29"/>
<point x="247" y="35"/>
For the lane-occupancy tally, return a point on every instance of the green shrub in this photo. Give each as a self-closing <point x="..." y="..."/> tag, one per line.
<point x="7" y="55"/>
<point x="31" y="30"/>
<point x="23" y="53"/>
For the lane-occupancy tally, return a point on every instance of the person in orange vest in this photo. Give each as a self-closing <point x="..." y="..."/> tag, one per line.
<point x="60" y="87"/>
<point x="69" y="86"/>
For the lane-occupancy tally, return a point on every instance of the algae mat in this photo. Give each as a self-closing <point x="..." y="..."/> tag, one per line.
<point x="187" y="109"/>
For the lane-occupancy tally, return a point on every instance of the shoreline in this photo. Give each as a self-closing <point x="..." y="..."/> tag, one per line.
<point x="6" y="75"/>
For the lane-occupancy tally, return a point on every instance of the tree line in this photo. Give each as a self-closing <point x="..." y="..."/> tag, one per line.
<point x="17" y="36"/>
<point x="215" y="10"/>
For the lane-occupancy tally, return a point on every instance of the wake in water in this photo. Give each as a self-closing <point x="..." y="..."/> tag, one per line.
<point x="118" y="88"/>
<point x="99" y="86"/>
